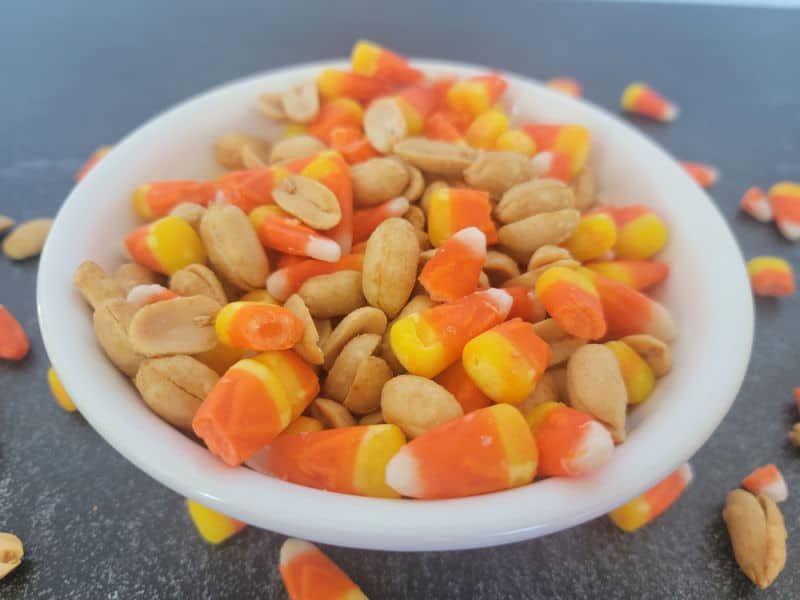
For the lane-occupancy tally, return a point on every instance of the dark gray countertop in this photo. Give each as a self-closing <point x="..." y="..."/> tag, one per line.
<point x="80" y="74"/>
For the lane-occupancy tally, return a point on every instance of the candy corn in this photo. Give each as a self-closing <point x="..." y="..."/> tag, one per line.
<point x="253" y="402"/>
<point x="453" y="209"/>
<point x="628" y="312"/>
<point x="253" y="188"/>
<point x="639" y="99"/>
<point x="446" y="125"/>
<point x="637" y="374"/>
<point x="335" y="83"/>
<point x="156" y="199"/>
<point x="58" y="391"/>
<point x="704" y="175"/>
<point x="526" y="305"/>
<point x="476" y="94"/>
<point x="570" y="297"/>
<point x="496" y="451"/>
<point x="352" y="144"/>
<point x="796" y="394"/>
<point x="507" y="361"/>
<point x="771" y="276"/>
<point x="566" y="85"/>
<point x="785" y="200"/>
<point x="486" y="128"/>
<point x="366" y="220"/>
<point x="258" y="326"/>
<point x="455" y="267"/>
<point x="286" y="281"/>
<point x="348" y="460"/>
<point x="595" y="235"/>
<point x="392" y="118"/>
<point x="638" y="274"/>
<point x="428" y="342"/>
<point x="310" y="575"/>
<point x="303" y="424"/>
<point x="166" y="245"/>
<point x="549" y="164"/>
<point x="640" y="232"/>
<point x="95" y="158"/>
<point x="264" y="295"/>
<point x="570" y="442"/>
<point x="339" y="112"/>
<point x="519" y="141"/>
<point x="213" y="527"/>
<point x="286" y="234"/>
<point x="456" y="381"/>
<point x="756" y="204"/>
<point x="646" y="508"/>
<point x="767" y="481"/>
<point x="566" y="142"/>
<point x="371" y="60"/>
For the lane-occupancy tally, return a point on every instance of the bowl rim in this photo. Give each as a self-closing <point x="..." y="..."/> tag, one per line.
<point x="370" y="523"/>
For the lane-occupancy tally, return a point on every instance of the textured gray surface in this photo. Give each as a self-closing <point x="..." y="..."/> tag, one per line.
<point x="85" y="74"/>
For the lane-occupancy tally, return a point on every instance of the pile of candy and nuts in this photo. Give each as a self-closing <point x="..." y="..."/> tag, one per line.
<point x="403" y="271"/>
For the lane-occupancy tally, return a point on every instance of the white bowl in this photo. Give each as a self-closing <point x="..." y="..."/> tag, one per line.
<point x="707" y="293"/>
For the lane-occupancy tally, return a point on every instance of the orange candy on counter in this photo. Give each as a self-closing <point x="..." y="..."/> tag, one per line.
<point x="771" y="276"/>
<point x="756" y="204"/>
<point x="14" y="343"/>
<point x="650" y="505"/>
<point x="566" y="85"/>
<point x="642" y="100"/>
<point x="310" y="575"/>
<point x="213" y="526"/>
<point x="767" y="480"/>
<point x="704" y="175"/>
<point x="785" y="200"/>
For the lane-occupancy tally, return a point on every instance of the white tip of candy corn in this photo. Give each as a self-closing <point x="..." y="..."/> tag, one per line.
<point x="323" y="249"/>
<point x="473" y="239"/>
<point x="398" y="206"/>
<point x="670" y="113"/>
<point x="789" y="230"/>
<point x="278" y="285"/>
<point x="661" y="324"/>
<point x="141" y="294"/>
<point x="402" y="474"/>
<point x="257" y="462"/>
<point x="595" y="450"/>
<point x="687" y="473"/>
<point x="541" y="162"/>
<point x="776" y="490"/>
<point x="501" y="299"/>
<point x="292" y="548"/>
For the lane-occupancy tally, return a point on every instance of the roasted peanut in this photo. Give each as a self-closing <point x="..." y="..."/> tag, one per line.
<point x="562" y="346"/>
<point x="384" y="124"/>
<point x="174" y="387"/>
<point x="333" y="295"/>
<point x="11" y="553"/>
<point x="364" y="395"/>
<point x="228" y="149"/>
<point x="129" y="275"/>
<point x="416" y="217"/>
<point x="429" y="190"/>
<point x="378" y="180"/>
<point x="433" y="156"/>
<point x="198" y="280"/>
<point x="343" y="372"/>
<point x="415" y="305"/>
<point x="190" y="212"/>
<point x="499" y="267"/>
<point x="111" y="321"/>
<point x="301" y="102"/>
<point x="271" y="106"/>
<point x="308" y="200"/>
<point x="233" y="246"/>
<point x="331" y="414"/>
<point x="27" y="240"/>
<point x="176" y="326"/>
<point x="546" y="390"/>
<point x="95" y="285"/>
<point x="560" y="379"/>
<point x="309" y="345"/>
<point x="497" y="171"/>
<point x="524" y="237"/>
<point x="6" y="223"/>
<point x="655" y="352"/>
<point x="584" y="188"/>
<point x="532" y="198"/>
<point x="416" y="404"/>
<point x="416" y="184"/>
<point x="794" y="435"/>
<point x="362" y="320"/>
<point x="294" y="147"/>
<point x="324" y="328"/>
<point x="595" y="386"/>
<point x="375" y="418"/>
<point x="255" y="156"/>
<point x="390" y="265"/>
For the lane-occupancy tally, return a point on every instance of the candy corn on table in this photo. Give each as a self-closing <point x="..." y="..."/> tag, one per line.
<point x="79" y="77"/>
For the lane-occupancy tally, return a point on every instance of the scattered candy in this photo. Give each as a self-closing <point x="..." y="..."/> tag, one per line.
<point x="639" y="99"/>
<point x="14" y="344"/>
<point x="310" y="575"/>
<point x="771" y="276"/>
<point x="646" y="508"/>
<point x="58" y="391"/>
<point x="213" y="527"/>
<point x="767" y="481"/>
<point x="704" y="175"/>
<point x="756" y="204"/>
<point x="456" y="266"/>
<point x="95" y="158"/>
<point x="785" y="200"/>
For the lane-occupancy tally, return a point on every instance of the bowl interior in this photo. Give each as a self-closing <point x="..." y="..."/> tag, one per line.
<point x="707" y="293"/>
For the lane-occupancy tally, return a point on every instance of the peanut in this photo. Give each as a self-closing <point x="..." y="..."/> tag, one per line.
<point x="364" y="395"/>
<point x="416" y="404"/>
<point x="333" y="295"/>
<point x="95" y="285"/>
<point x="331" y="414"/>
<point x="390" y="265"/>
<point x="301" y="102"/>
<point x="198" y="280"/>
<point x="532" y="198"/>
<point x="416" y="217"/>
<point x="343" y="372"/>
<point x="433" y="156"/>
<point x="655" y="352"/>
<point x="11" y="553"/>
<point x="499" y="267"/>
<point x="27" y="240"/>
<point x="111" y="321"/>
<point x="562" y="346"/>
<point x="6" y="223"/>
<point x="524" y="237"/>
<point x="497" y="171"/>
<point x="416" y="184"/>
<point x="175" y="326"/>
<point x="377" y="180"/>
<point x="546" y="390"/>
<point x="190" y="212"/>
<point x="129" y="275"/>
<point x="309" y="346"/>
<point x="375" y="418"/>
<point x="308" y="200"/>
<point x="294" y="147"/>
<point x="384" y="124"/>
<point x="584" y="188"/>
<point x="271" y="106"/>
<point x="362" y="320"/>
<point x="228" y="149"/>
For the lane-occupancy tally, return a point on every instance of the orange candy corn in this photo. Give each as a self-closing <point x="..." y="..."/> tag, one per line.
<point x="347" y="460"/>
<point x="258" y="326"/>
<point x="767" y="480"/>
<point x="213" y="527"/>
<point x="476" y="94"/>
<point x="455" y="268"/>
<point x="570" y="442"/>
<point x="286" y="281"/>
<point x="303" y="424"/>
<point x="144" y="294"/>
<point x="352" y="144"/>
<point x="566" y="85"/>
<point x="756" y="204"/>
<point x="796" y="394"/>
<point x="628" y="312"/>
<point x="14" y="343"/>
<point x="771" y="276"/>
<point x="595" y="235"/>
<point x="428" y="342"/>
<point x="310" y="575"/>
<point x="704" y="175"/>
<point x="156" y="199"/>
<point x="550" y="164"/>
<point x="570" y="297"/>
<point x="639" y="99"/>
<point x="456" y="381"/>
<point x="453" y="209"/>
<point x="287" y="234"/>
<point x="570" y="141"/>
<point x="487" y="127"/>
<point x="645" y="508"/>
<point x="366" y="220"/>
<point x="507" y="361"/>
<point x="59" y="393"/>
<point x="339" y="112"/>
<point x="785" y="200"/>
<point x="495" y="451"/>
<point x="252" y="188"/>
<point x="95" y="158"/>
<point x="166" y="245"/>
<point x="526" y="305"/>
<point x="253" y="402"/>
<point x="636" y="372"/>
<point x="335" y="83"/>
<point x="640" y="232"/>
<point x="638" y="274"/>
<point x="371" y="60"/>
<point x="446" y="125"/>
